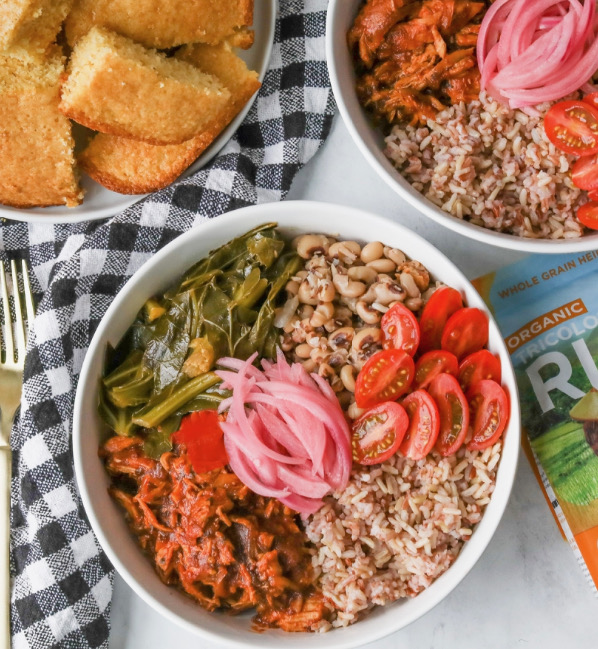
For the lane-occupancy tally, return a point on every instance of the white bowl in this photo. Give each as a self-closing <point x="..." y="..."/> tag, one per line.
<point x="107" y="518"/>
<point x="370" y="141"/>
<point x="101" y="203"/>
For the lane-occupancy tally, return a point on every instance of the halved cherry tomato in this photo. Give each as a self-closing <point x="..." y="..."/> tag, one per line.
<point x="593" y="195"/>
<point x="454" y="413"/>
<point x="591" y="99"/>
<point x="572" y="126"/>
<point x="378" y="433"/>
<point x="477" y="366"/>
<point x="587" y="215"/>
<point x="201" y="433"/>
<point x="385" y="377"/>
<point x="438" y="309"/>
<point x="489" y="408"/>
<point x="432" y="364"/>
<point x="400" y="329"/>
<point x="465" y="332"/>
<point x="424" y="424"/>
<point x="584" y="173"/>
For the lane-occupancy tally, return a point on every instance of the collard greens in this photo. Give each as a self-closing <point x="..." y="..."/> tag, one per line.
<point x="229" y="299"/>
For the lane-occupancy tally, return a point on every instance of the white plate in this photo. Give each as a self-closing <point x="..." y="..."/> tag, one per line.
<point x="99" y="202"/>
<point x="107" y="518"/>
<point x="370" y="141"/>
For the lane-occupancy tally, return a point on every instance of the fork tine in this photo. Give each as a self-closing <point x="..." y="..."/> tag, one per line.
<point x="19" y="323"/>
<point x="29" y="305"/>
<point x="8" y="342"/>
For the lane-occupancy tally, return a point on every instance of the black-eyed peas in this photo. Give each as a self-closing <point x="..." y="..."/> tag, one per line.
<point x="342" y="338"/>
<point x="342" y="293"/>
<point x="382" y="265"/>
<point x="408" y="283"/>
<point x="346" y="286"/>
<point x="362" y="274"/>
<point x="348" y="378"/>
<point x="418" y="271"/>
<point x="345" y="251"/>
<point x="372" y="251"/>
<point x="323" y="313"/>
<point x="309" y="245"/>
<point x="395" y="255"/>
<point x="367" y="313"/>
<point x="365" y="339"/>
<point x="307" y="293"/>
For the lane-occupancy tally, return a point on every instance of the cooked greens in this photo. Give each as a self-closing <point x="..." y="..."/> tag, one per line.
<point x="223" y="306"/>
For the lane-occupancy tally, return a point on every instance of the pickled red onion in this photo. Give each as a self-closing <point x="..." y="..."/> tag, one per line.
<point x="285" y="434"/>
<point x="531" y="52"/>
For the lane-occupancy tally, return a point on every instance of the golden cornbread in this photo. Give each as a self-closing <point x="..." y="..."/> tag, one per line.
<point x="119" y="87"/>
<point x="129" y="167"/>
<point x="242" y="38"/>
<point x="36" y="145"/>
<point x="160" y="24"/>
<point x="32" y="24"/>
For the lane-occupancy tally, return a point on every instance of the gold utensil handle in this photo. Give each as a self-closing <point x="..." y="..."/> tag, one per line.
<point x="5" y="474"/>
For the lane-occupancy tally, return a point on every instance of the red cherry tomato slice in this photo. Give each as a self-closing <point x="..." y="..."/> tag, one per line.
<point x="489" y="411"/>
<point x="591" y="99"/>
<point x="378" y="433"/>
<point x="593" y="195"/>
<point x="572" y="126"/>
<point x="587" y="215"/>
<point x="454" y="413"/>
<point x="465" y="332"/>
<point x="438" y="309"/>
<point x="400" y="329"/>
<point x="385" y="377"/>
<point x="432" y="364"/>
<point x="201" y="433"/>
<point x="584" y="173"/>
<point x="477" y="366"/>
<point x="424" y="424"/>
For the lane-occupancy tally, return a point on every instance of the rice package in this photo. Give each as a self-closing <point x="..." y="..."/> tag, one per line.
<point x="547" y="310"/>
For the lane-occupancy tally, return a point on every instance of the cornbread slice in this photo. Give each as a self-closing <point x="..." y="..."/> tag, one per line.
<point x="242" y="38"/>
<point x="31" y="24"/>
<point x="131" y="167"/>
<point x="161" y="23"/>
<point x="36" y="145"/>
<point x="117" y="86"/>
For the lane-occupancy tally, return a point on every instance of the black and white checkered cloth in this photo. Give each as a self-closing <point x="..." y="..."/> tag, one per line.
<point x="62" y="581"/>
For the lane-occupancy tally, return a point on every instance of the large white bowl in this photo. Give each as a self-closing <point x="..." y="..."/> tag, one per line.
<point x="107" y="518"/>
<point x="101" y="203"/>
<point x="370" y="141"/>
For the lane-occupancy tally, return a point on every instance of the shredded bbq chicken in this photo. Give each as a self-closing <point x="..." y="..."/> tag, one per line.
<point x="415" y="57"/>
<point x="210" y="535"/>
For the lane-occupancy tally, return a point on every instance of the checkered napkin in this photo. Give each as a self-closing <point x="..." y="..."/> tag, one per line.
<point x="62" y="581"/>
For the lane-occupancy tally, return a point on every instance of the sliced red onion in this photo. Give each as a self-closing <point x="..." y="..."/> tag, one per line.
<point x="532" y="52"/>
<point x="286" y="431"/>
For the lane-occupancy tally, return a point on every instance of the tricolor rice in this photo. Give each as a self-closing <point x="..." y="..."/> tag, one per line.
<point x="492" y="166"/>
<point x="397" y="526"/>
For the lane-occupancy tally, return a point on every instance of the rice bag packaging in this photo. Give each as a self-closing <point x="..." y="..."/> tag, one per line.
<point x="547" y="309"/>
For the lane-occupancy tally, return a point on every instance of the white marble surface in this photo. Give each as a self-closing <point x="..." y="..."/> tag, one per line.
<point x="527" y="589"/>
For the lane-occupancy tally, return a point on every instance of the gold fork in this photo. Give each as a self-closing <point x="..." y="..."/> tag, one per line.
<point x="11" y="379"/>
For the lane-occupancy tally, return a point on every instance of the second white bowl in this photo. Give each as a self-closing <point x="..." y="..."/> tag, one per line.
<point x="341" y="14"/>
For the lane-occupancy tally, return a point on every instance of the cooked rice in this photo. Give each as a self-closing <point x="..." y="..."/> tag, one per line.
<point x="397" y="526"/>
<point x="492" y="166"/>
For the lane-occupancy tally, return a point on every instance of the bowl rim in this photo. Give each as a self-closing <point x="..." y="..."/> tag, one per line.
<point x="288" y="214"/>
<point x="348" y="107"/>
